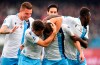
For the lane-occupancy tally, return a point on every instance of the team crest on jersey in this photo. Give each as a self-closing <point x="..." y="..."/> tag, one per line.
<point x="78" y="27"/>
<point x="34" y="38"/>
<point x="20" y="25"/>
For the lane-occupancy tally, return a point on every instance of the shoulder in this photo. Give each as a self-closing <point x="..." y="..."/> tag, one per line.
<point x="77" y="20"/>
<point x="31" y="19"/>
<point x="65" y="27"/>
<point x="11" y="16"/>
<point x="68" y="20"/>
<point x="27" y="31"/>
<point x="67" y="17"/>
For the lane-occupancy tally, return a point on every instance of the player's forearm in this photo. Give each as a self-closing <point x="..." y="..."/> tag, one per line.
<point x="78" y="46"/>
<point x="7" y="31"/>
<point x="51" y="16"/>
<point x="84" y="43"/>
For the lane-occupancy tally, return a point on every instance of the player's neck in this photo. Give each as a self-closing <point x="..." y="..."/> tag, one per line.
<point x="20" y="17"/>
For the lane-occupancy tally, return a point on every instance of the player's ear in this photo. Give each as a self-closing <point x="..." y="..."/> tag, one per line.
<point x="21" y="9"/>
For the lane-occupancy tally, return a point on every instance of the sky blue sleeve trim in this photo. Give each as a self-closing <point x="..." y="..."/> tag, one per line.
<point x="83" y="33"/>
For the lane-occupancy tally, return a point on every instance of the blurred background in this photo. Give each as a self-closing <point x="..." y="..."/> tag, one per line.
<point x="66" y="7"/>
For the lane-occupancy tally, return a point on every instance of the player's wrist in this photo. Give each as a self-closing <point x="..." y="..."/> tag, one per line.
<point x="10" y="31"/>
<point x="54" y="33"/>
<point x="81" y="52"/>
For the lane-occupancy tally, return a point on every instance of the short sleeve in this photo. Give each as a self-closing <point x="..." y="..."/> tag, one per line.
<point x="31" y="37"/>
<point x="67" y="29"/>
<point x="7" y="21"/>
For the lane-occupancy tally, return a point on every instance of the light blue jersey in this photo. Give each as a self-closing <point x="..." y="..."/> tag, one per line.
<point x="13" y="41"/>
<point x="54" y="52"/>
<point x="72" y="26"/>
<point x="31" y="50"/>
<point x="27" y="25"/>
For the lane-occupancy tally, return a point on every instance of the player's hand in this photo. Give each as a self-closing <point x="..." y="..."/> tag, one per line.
<point x="54" y="28"/>
<point x="14" y="29"/>
<point x="81" y="57"/>
<point x="21" y="47"/>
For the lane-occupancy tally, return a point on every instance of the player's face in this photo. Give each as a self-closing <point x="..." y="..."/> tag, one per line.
<point x="26" y="13"/>
<point x="88" y="18"/>
<point x="52" y="11"/>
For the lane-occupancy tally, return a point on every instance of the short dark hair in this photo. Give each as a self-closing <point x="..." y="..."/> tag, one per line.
<point x="48" y="29"/>
<point x="52" y="6"/>
<point x="27" y="5"/>
<point x="38" y="25"/>
<point x="84" y="11"/>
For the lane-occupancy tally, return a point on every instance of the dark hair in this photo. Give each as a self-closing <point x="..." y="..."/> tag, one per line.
<point x="52" y="6"/>
<point x="48" y="30"/>
<point x="84" y="11"/>
<point x="27" y="5"/>
<point x="38" y="25"/>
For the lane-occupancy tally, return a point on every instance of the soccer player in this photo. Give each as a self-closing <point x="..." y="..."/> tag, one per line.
<point x="27" y="25"/>
<point x="52" y="9"/>
<point x="79" y="28"/>
<point x="14" y="36"/>
<point x="54" y="52"/>
<point x="33" y="38"/>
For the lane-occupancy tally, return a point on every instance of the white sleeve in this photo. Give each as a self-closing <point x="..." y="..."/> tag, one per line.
<point x="7" y="21"/>
<point x="68" y="20"/>
<point x="29" y="36"/>
<point x="67" y="29"/>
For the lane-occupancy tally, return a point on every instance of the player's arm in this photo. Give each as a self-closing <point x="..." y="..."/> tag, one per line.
<point x="49" y="17"/>
<point x="57" y="21"/>
<point x="5" y="30"/>
<point x="78" y="46"/>
<point x="39" y="41"/>
<point x="83" y="42"/>
<point x="68" y="31"/>
<point x="47" y="41"/>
